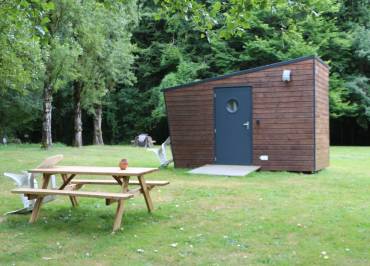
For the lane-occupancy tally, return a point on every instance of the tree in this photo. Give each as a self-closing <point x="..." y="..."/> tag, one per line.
<point x="19" y="113"/>
<point x="228" y="18"/>
<point x="20" y="68"/>
<point x="104" y="36"/>
<point x="20" y="53"/>
<point x="351" y="68"/>
<point x="190" y="40"/>
<point x="185" y="72"/>
<point x="59" y="54"/>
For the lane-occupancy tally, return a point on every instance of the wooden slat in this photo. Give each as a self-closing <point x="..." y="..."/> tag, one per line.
<point x="192" y="156"/>
<point x="193" y="114"/>
<point x="91" y="194"/>
<point x="305" y="163"/>
<point x="66" y="180"/>
<point x="276" y="78"/>
<point x="282" y="137"/>
<point x="292" y="121"/>
<point x="283" y="100"/>
<point x="282" y="110"/>
<point x="191" y="122"/>
<point x="263" y="105"/>
<point x="39" y="200"/>
<point x="113" y="182"/>
<point x="296" y="142"/>
<point x="120" y="205"/>
<point x="285" y="157"/>
<point x="288" y="167"/>
<point x="86" y="170"/>
<point x="145" y="191"/>
<point x="192" y="109"/>
<point x="308" y="93"/>
<point x="66" y="185"/>
<point x="260" y="83"/>
<point x="322" y="116"/>
<point x="192" y="141"/>
<point x="273" y="73"/>
<point x="270" y="152"/>
<point x="277" y="116"/>
<point x="193" y="163"/>
<point x="277" y="130"/>
<point x="282" y="147"/>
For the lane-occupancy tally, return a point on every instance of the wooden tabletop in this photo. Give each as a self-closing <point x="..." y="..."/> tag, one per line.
<point x="94" y="170"/>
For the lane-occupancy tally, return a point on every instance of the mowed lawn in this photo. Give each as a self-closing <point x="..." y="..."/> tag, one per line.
<point x="273" y="218"/>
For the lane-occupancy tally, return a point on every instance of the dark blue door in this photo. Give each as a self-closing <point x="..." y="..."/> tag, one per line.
<point x="233" y="125"/>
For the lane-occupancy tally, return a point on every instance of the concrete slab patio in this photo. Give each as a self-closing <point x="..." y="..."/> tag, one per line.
<point x="225" y="170"/>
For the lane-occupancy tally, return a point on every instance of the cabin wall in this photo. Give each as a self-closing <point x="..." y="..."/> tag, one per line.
<point x="321" y="115"/>
<point x="190" y="119"/>
<point x="285" y="110"/>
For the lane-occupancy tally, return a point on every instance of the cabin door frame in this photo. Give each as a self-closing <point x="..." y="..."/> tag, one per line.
<point x="233" y="125"/>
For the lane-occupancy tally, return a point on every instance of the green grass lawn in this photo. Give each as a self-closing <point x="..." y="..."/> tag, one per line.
<point x="274" y="218"/>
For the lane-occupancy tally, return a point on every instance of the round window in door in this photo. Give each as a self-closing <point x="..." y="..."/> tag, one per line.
<point x="232" y="106"/>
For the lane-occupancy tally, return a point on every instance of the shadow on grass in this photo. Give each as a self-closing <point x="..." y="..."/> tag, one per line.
<point x="81" y="221"/>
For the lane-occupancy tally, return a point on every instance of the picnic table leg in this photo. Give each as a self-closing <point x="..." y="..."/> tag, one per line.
<point x="120" y="205"/>
<point x="73" y="199"/>
<point x="145" y="190"/>
<point x="36" y="208"/>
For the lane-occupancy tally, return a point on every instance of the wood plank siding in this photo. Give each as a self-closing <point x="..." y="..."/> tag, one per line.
<point x="321" y="115"/>
<point x="290" y="114"/>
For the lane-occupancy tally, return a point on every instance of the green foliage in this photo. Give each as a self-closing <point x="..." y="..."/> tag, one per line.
<point x="227" y="17"/>
<point x="339" y="96"/>
<point x="19" y="112"/>
<point x="20" y="54"/>
<point x="107" y="56"/>
<point x="185" y="73"/>
<point x="125" y="115"/>
<point x="171" y="56"/>
<point x="359" y="87"/>
<point x="125" y="52"/>
<point x="289" y="31"/>
<point x="21" y="69"/>
<point x="60" y="49"/>
<point x="60" y="55"/>
<point x="224" y="56"/>
<point x="361" y="44"/>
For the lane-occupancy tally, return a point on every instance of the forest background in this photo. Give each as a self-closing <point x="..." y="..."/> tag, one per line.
<point x="91" y="72"/>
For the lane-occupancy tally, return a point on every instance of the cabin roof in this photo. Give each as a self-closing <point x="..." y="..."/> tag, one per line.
<point x="245" y="71"/>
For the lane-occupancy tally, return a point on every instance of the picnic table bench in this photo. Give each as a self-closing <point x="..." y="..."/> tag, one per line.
<point x="71" y="186"/>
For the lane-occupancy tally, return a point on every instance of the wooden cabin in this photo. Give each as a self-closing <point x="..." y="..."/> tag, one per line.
<point x="274" y="116"/>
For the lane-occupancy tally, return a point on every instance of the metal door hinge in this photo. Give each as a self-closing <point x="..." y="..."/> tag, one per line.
<point x="215" y="131"/>
<point x="214" y="95"/>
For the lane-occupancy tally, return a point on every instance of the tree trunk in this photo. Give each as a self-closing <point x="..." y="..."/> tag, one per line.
<point x="77" y="114"/>
<point x="98" y="133"/>
<point x="46" y="117"/>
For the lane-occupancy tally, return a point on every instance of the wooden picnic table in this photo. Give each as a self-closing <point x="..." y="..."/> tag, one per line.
<point x="70" y="186"/>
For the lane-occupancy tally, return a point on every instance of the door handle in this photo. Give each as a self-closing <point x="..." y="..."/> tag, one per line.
<point x="246" y="124"/>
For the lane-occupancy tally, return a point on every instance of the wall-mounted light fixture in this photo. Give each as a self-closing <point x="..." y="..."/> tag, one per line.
<point x="286" y="77"/>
